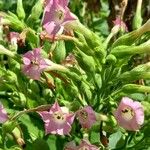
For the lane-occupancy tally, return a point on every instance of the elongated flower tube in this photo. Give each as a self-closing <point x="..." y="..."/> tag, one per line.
<point x="3" y="114"/>
<point x="34" y="64"/>
<point x="56" y="16"/>
<point x="86" y="117"/>
<point x="129" y="114"/>
<point x="57" y="120"/>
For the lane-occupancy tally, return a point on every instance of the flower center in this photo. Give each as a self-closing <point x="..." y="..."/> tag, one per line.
<point x="127" y="113"/>
<point x="83" y="115"/>
<point x="59" y="16"/>
<point x="59" y="117"/>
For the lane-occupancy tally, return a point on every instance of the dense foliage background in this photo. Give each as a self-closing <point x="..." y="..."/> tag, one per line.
<point x="99" y="80"/>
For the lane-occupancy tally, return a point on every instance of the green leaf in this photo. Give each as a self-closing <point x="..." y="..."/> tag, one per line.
<point x="114" y="140"/>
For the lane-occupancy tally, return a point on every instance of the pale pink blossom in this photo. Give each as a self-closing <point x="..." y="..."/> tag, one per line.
<point x="86" y="117"/>
<point x="3" y="114"/>
<point x="121" y="24"/>
<point x="57" y="120"/>
<point x="34" y="64"/>
<point x="129" y="114"/>
<point x="86" y="145"/>
<point x="14" y="37"/>
<point x="56" y="16"/>
<point x="70" y="146"/>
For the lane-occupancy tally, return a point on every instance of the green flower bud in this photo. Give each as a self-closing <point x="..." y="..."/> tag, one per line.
<point x="35" y="13"/>
<point x="88" y="34"/>
<point x="137" y="19"/>
<point x="134" y="88"/>
<point x="130" y="38"/>
<point x="86" y="91"/>
<point x="19" y="99"/>
<point x="139" y="72"/>
<point x="8" y="126"/>
<point x="5" y="51"/>
<point x="100" y="54"/>
<point x="32" y="38"/>
<point x="13" y="21"/>
<point x="20" y="10"/>
<point x="86" y="62"/>
<point x="59" y="52"/>
<point x="111" y="59"/>
<point x="127" y="51"/>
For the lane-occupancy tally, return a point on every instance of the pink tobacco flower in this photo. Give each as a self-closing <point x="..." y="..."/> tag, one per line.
<point x="34" y="64"/>
<point x="86" y="117"/>
<point x="56" y="16"/>
<point x="57" y="120"/>
<point x="13" y="37"/>
<point x="129" y="114"/>
<point x="70" y="146"/>
<point x="86" y="145"/>
<point x="121" y="24"/>
<point x="3" y="114"/>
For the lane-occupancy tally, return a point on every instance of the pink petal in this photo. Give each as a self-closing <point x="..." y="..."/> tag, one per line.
<point x="55" y="108"/>
<point x="3" y="114"/>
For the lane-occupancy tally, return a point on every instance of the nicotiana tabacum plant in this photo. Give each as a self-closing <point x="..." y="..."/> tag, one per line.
<point x="63" y="86"/>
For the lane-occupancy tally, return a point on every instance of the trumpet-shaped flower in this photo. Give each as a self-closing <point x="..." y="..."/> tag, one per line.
<point x="57" y="120"/>
<point x="86" y="117"/>
<point x="84" y="145"/>
<point x="3" y="114"/>
<point x="34" y="64"/>
<point x="56" y="16"/>
<point x="129" y="114"/>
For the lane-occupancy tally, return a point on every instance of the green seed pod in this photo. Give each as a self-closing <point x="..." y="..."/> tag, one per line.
<point x="20" y="10"/>
<point x="59" y="52"/>
<point x="130" y="38"/>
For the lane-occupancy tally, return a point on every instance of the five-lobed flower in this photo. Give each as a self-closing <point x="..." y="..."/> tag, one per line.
<point x="129" y="114"/>
<point x="34" y="64"/>
<point x="84" y="145"/>
<point x="86" y="117"/>
<point x="57" y="120"/>
<point x="56" y="16"/>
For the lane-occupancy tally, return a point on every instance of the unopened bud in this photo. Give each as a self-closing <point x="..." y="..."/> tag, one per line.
<point x="20" y="10"/>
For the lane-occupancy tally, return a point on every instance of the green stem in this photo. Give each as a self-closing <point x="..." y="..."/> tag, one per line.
<point x="39" y="108"/>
